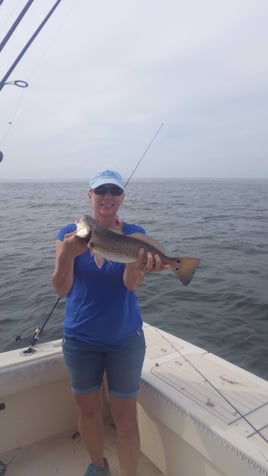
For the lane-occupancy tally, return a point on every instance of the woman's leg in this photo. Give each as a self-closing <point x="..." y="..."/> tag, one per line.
<point x="123" y="368"/>
<point x="90" y="424"/>
<point x="124" y="413"/>
<point x="86" y="372"/>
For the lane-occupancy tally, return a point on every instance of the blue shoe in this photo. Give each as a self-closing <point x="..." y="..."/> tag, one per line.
<point x="93" y="470"/>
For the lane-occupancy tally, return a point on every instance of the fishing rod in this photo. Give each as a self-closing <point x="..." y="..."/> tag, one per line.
<point x="144" y="153"/>
<point x="38" y="331"/>
<point x="15" y="24"/>
<point x="28" y="44"/>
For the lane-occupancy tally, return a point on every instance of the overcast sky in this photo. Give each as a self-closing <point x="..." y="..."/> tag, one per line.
<point x="104" y="75"/>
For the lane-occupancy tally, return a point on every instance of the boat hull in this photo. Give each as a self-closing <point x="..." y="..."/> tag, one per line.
<point x="187" y="426"/>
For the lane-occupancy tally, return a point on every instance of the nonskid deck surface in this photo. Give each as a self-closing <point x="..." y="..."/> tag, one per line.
<point x="228" y="393"/>
<point x="65" y="455"/>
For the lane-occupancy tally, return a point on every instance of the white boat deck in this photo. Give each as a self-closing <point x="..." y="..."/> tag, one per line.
<point x="65" y="455"/>
<point x="233" y="396"/>
<point x="198" y="414"/>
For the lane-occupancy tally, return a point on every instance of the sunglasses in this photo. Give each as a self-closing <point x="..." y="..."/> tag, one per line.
<point x="102" y="189"/>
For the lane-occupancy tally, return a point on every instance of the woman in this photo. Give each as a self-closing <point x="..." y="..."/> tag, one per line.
<point x="103" y="328"/>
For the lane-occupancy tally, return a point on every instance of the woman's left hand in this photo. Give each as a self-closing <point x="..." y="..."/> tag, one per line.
<point x="152" y="263"/>
<point x="134" y="272"/>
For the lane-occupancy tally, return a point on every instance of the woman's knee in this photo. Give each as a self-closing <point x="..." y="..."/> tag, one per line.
<point x="89" y="405"/>
<point x="124" y="413"/>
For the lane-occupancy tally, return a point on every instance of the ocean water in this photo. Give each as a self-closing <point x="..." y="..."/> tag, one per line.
<point x="224" y="222"/>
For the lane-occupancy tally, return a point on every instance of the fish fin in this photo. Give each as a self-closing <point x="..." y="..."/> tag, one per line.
<point x="99" y="259"/>
<point x="147" y="239"/>
<point x="119" y="232"/>
<point x="185" y="269"/>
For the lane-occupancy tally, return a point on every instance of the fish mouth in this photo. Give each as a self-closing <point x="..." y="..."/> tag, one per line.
<point x="84" y="236"/>
<point x="83" y="231"/>
<point x="88" y="237"/>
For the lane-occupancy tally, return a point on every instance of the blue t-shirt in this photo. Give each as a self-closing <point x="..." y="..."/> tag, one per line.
<point x="99" y="308"/>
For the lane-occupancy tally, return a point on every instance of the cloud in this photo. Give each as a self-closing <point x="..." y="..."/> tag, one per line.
<point x="103" y="76"/>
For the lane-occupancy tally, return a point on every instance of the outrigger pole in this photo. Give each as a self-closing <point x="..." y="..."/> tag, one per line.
<point x="28" y="44"/>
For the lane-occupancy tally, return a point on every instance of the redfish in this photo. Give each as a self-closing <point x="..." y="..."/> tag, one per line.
<point x="120" y="248"/>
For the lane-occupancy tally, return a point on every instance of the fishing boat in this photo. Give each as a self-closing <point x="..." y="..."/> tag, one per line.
<point x="198" y="414"/>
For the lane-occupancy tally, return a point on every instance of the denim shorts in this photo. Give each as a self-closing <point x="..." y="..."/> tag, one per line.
<point x="86" y="364"/>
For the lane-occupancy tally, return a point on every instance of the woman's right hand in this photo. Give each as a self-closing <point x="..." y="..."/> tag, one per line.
<point x="73" y="246"/>
<point x="66" y="251"/>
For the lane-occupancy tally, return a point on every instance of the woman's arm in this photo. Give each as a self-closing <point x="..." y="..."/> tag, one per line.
<point x="134" y="272"/>
<point x="66" y="251"/>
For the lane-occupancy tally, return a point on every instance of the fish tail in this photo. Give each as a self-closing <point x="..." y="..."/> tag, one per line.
<point x="185" y="268"/>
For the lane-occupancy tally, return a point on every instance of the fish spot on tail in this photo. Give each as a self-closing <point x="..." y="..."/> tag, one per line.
<point x="178" y="265"/>
<point x="186" y="269"/>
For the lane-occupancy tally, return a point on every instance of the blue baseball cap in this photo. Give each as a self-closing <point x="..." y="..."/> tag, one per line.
<point x="106" y="176"/>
